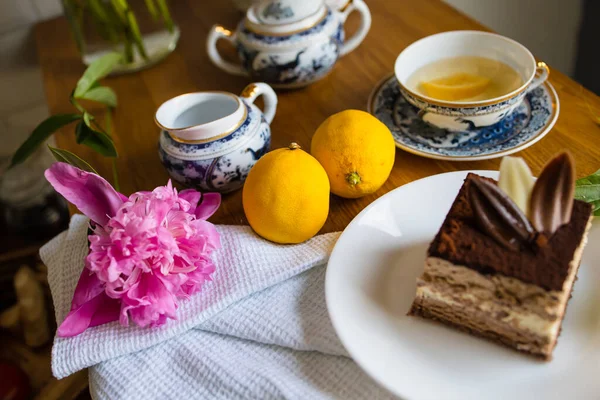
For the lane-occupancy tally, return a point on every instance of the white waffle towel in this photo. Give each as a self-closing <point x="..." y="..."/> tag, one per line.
<point x="259" y="330"/>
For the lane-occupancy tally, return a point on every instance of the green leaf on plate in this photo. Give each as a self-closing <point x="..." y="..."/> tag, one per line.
<point x="96" y="71"/>
<point x="101" y="94"/>
<point x="589" y="180"/>
<point x="588" y="189"/>
<point x="62" y="155"/>
<point x="98" y="141"/>
<point x="40" y="134"/>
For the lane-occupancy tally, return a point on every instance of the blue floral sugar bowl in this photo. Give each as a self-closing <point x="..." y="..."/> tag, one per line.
<point x="210" y="140"/>
<point x="289" y="43"/>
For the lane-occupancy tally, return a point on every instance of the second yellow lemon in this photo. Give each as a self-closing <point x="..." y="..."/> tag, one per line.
<point x="286" y="196"/>
<point x="356" y="150"/>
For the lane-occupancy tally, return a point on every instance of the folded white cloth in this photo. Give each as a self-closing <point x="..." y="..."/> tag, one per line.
<point x="259" y="330"/>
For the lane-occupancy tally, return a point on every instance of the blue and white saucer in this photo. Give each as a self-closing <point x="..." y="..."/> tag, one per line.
<point x="527" y="124"/>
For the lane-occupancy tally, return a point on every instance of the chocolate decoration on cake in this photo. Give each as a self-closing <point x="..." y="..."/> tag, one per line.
<point x="492" y="272"/>
<point x="552" y="196"/>
<point x="550" y="206"/>
<point x="499" y="216"/>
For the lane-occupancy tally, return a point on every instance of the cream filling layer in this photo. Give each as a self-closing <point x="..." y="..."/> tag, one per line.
<point x="523" y="306"/>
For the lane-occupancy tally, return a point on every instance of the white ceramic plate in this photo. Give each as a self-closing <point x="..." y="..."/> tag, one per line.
<point x="370" y="286"/>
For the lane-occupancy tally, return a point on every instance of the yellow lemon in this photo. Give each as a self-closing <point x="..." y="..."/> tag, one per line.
<point x="456" y="87"/>
<point x="286" y="196"/>
<point x="356" y="150"/>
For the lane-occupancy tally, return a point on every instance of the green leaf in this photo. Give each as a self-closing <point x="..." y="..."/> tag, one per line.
<point x="96" y="71"/>
<point x="588" y="193"/>
<point x="589" y="180"/>
<point x="588" y="189"/>
<point x="40" y="134"/>
<point x="98" y="141"/>
<point x="62" y="155"/>
<point x="81" y="132"/>
<point x="89" y="120"/>
<point x="101" y="94"/>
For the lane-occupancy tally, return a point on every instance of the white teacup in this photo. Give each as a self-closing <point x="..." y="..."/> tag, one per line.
<point x="461" y="115"/>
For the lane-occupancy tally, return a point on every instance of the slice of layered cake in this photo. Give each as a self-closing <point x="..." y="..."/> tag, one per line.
<point x="503" y="264"/>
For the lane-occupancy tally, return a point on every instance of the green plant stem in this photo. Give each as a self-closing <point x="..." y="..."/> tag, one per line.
<point x="116" y="23"/>
<point x="71" y="7"/>
<point x="106" y="27"/>
<point x="152" y="9"/>
<point x="164" y="11"/>
<point x="132" y="30"/>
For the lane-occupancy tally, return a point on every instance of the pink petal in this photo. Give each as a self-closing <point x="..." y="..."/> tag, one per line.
<point x="99" y="310"/>
<point x="210" y="233"/>
<point x="191" y="196"/>
<point x="210" y="204"/>
<point x="88" y="287"/>
<point x="147" y="301"/>
<point x="90" y="193"/>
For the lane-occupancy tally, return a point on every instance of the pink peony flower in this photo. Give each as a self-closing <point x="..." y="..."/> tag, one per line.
<point x="147" y="252"/>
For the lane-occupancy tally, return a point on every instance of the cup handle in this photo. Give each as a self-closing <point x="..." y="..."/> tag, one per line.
<point x="219" y="32"/>
<point x="253" y="90"/>
<point x="541" y="74"/>
<point x="365" y="24"/>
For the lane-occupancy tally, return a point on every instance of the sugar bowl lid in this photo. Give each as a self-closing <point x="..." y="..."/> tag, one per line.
<point x="284" y="17"/>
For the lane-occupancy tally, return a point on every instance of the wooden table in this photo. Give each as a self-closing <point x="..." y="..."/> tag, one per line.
<point x="396" y="24"/>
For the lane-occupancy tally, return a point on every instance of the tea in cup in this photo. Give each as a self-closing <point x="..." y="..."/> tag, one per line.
<point x="464" y="80"/>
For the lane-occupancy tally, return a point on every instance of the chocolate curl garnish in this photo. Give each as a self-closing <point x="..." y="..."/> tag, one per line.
<point x="498" y="215"/>
<point x="552" y="196"/>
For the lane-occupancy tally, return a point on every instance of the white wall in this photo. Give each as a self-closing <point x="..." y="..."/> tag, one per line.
<point x="548" y="28"/>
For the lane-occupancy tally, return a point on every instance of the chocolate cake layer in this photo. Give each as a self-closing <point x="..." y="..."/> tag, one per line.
<point x="461" y="242"/>
<point x="482" y="327"/>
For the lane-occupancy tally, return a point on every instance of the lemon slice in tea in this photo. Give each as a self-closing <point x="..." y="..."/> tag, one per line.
<point x="456" y="87"/>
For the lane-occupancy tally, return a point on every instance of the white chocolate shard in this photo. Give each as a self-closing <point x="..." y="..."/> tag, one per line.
<point x="516" y="181"/>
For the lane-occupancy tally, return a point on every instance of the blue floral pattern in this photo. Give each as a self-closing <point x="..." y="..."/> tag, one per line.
<point x="530" y="120"/>
<point x="277" y="11"/>
<point x="294" y="60"/>
<point x="462" y="111"/>
<point x="260" y="39"/>
<point x="221" y="165"/>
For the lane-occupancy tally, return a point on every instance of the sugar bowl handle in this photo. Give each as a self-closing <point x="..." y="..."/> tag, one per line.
<point x="365" y="24"/>
<point x="253" y="90"/>
<point x="219" y="32"/>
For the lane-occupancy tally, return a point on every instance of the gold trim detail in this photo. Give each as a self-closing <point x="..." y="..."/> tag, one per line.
<point x="464" y="105"/>
<point x="188" y="94"/>
<point x="345" y="6"/>
<point x="224" y="31"/>
<point x="210" y="139"/>
<point x="264" y="33"/>
<point x="250" y="91"/>
<point x="543" y="65"/>
<point x="543" y="131"/>
<point x="539" y="64"/>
